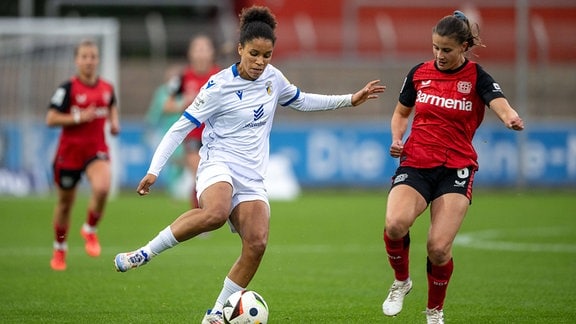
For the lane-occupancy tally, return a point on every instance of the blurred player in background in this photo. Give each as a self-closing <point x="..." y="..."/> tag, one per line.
<point x="82" y="106"/>
<point x="159" y="123"/>
<point x="448" y="96"/>
<point x="238" y="106"/>
<point x="183" y="89"/>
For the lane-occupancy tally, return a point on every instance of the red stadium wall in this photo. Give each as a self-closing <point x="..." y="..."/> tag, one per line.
<point x="408" y="29"/>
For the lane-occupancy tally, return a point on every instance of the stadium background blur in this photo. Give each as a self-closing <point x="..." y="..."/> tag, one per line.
<point x="325" y="46"/>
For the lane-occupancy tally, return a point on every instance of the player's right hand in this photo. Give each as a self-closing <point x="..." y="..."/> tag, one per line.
<point x="145" y="184"/>
<point x="88" y="114"/>
<point x="396" y="149"/>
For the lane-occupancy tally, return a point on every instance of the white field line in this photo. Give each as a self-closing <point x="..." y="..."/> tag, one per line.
<point x="503" y="240"/>
<point x="189" y="248"/>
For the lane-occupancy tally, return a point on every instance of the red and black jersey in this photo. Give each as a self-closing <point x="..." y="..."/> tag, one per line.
<point x="449" y="107"/>
<point x="74" y="95"/>
<point x="189" y="83"/>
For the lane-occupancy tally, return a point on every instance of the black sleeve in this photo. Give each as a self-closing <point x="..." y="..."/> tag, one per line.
<point x="61" y="98"/>
<point x="486" y="87"/>
<point x="112" y="99"/>
<point x="408" y="91"/>
<point x="176" y="85"/>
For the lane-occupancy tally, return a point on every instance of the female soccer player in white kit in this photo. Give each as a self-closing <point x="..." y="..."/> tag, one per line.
<point x="237" y="105"/>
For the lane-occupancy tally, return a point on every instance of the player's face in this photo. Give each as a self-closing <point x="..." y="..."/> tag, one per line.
<point x="448" y="53"/>
<point x="254" y="56"/>
<point x="87" y="60"/>
<point x="201" y="51"/>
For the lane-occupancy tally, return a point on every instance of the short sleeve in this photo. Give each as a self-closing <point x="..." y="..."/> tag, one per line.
<point x="60" y="100"/>
<point x="407" y="95"/>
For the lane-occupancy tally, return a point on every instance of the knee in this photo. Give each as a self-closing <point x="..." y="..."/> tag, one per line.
<point x="65" y="204"/>
<point x="214" y="219"/>
<point x="65" y="207"/>
<point x="395" y="229"/>
<point x="439" y="253"/>
<point x="256" y="244"/>
<point x="100" y="192"/>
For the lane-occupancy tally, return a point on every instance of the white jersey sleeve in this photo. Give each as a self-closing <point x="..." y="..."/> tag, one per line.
<point x="171" y="140"/>
<point x="292" y="97"/>
<point x="238" y="116"/>
<point x="316" y="102"/>
<point x="189" y="120"/>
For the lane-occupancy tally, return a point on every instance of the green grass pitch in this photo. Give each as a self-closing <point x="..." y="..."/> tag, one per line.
<point x="515" y="262"/>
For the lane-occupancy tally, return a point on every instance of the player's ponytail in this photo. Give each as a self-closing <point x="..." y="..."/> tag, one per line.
<point x="458" y="27"/>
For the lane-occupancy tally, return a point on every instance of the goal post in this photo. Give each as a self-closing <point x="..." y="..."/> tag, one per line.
<point x="37" y="55"/>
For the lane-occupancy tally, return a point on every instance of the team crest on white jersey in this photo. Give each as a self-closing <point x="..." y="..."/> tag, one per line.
<point x="269" y="88"/>
<point x="464" y="87"/>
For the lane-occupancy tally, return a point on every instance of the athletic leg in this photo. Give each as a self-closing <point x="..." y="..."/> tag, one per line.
<point x="404" y="205"/>
<point x="251" y="220"/>
<point x="61" y="223"/>
<point x="447" y="214"/>
<point x="215" y="202"/>
<point x="99" y="176"/>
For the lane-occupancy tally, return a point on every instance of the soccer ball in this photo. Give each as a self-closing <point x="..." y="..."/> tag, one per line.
<point x="245" y="307"/>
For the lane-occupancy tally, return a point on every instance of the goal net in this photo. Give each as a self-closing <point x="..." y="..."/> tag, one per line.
<point x="37" y="55"/>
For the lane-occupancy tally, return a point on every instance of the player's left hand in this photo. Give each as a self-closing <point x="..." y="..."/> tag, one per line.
<point x="516" y="124"/>
<point x="114" y="129"/>
<point x="145" y="184"/>
<point x="370" y="91"/>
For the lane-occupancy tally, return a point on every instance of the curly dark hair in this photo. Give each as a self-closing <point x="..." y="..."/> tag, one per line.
<point x="257" y="22"/>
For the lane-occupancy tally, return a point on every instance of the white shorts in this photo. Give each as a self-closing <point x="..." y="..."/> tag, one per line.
<point x="243" y="188"/>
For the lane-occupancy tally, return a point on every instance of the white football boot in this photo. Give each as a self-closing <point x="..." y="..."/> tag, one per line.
<point x="130" y="260"/>
<point x="434" y="316"/>
<point x="393" y="303"/>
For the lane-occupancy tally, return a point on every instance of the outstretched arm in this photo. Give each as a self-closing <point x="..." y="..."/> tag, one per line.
<point x="370" y="91"/>
<point x="317" y="102"/>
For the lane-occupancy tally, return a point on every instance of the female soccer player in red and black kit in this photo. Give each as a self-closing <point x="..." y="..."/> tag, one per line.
<point x="448" y="96"/>
<point x="81" y="106"/>
<point x="201" y="66"/>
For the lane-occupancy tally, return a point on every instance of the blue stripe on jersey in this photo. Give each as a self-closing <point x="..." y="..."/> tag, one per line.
<point x="235" y="70"/>
<point x="293" y="98"/>
<point x="192" y="119"/>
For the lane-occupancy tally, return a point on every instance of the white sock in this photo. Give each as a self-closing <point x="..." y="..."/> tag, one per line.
<point x="61" y="246"/>
<point x="229" y="288"/>
<point x="89" y="229"/>
<point x="163" y="241"/>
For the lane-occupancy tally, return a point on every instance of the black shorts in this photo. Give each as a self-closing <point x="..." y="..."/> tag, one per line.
<point x="67" y="178"/>
<point x="435" y="182"/>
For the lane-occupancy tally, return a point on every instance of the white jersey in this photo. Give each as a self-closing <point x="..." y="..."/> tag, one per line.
<point x="238" y="115"/>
